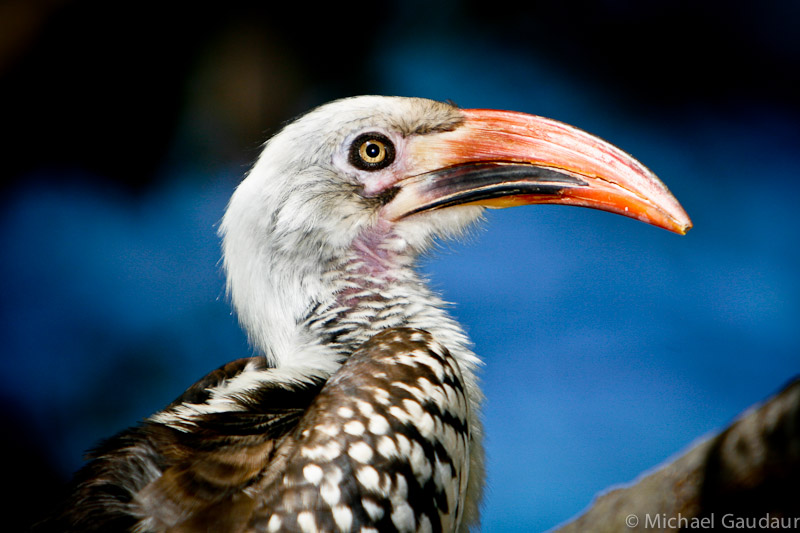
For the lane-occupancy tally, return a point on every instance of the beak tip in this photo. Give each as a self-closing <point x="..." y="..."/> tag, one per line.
<point x="684" y="223"/>
<point x="680" y="225"/>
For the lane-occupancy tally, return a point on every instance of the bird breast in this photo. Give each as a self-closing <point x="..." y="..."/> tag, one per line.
<point x="385" y="444"/>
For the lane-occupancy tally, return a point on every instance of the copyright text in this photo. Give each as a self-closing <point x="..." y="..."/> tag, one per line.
<point x="727" y="521"/>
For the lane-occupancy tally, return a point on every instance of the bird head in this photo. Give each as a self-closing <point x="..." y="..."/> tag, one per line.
<point x="378" y="178"/>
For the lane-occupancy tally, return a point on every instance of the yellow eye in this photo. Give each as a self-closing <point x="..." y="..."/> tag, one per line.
<point x="371" y="151"/>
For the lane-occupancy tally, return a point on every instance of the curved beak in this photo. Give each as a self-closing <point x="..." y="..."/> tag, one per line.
<point x="502" y="159"/>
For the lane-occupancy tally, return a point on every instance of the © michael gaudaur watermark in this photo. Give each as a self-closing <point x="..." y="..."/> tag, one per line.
<point x="662" y="521"/>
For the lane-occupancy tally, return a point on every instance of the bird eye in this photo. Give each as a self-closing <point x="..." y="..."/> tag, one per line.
<point x="371" y="151"/>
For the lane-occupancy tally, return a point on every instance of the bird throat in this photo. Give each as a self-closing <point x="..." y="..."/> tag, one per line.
<point x="376" y="287"/>
<point x="373" y="288"/>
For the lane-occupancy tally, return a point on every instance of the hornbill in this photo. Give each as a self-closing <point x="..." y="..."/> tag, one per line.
<point x="361" y="411"/>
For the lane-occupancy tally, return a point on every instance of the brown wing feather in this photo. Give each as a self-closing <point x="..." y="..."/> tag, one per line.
<point x="162" y="477"/>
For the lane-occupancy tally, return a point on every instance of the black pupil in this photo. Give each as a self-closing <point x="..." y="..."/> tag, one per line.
<point x="373" y="150"/>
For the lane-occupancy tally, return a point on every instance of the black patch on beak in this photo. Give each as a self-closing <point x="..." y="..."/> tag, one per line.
<point x="387" y="195"/>
<point x="484" y="181"/>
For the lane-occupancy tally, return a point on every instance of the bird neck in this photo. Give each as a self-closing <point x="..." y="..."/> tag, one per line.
<point x="375" y="287"/>
<point x="309" y="305"/>
<point x="340" y="303"/>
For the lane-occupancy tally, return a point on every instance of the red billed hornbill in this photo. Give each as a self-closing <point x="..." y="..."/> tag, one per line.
<point x="362" y="411"/>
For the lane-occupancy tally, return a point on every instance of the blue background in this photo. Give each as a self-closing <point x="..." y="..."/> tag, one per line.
<point x="610" y="346"/>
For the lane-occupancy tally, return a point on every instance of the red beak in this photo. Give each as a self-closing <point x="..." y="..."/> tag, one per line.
<point x="503" y="159"/>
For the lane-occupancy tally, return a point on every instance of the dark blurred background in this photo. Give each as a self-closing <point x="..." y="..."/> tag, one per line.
<point x="610" y="346"/>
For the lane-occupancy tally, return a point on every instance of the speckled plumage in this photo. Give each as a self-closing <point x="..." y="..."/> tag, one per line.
<point x="380" y="446"/>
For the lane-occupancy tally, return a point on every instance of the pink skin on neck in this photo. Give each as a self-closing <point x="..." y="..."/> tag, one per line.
<point x="375" y="260"/>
